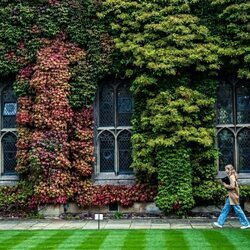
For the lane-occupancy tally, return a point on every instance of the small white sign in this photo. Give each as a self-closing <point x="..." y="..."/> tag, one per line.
<point x="98" y="216"/>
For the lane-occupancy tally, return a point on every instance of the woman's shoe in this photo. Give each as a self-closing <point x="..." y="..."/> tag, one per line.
<point x="245" y="227"/>
<point x="216" y="224"/>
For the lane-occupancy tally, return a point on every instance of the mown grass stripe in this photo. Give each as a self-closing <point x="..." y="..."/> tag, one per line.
<point x="6" y="234"/>
<point x="196" y="240"/>
<point x="114" y="240"/>
<point x="54" y="240"/>
<point x="94" y="240"/>
<point x="240" y="239"/>
<point x="204" y="239"/>
<point x="175" y="239"/>
<point x="32" y="242"/>
<point x="16" y="239"/>
<point x="74" y="241"/>
<point x="135" y="239"/>
<point x="155" y="239"/>
<point x="218" y="240"/>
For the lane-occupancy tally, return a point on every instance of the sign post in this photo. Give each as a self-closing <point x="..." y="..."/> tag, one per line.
<point x="98" y="217"/>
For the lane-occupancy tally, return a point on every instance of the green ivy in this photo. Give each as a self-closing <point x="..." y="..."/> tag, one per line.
<point x="175" y="180"/>
<point x="172" y="51"/>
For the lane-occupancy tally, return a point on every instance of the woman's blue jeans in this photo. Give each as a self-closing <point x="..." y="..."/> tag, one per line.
<point x="239" y="212"/>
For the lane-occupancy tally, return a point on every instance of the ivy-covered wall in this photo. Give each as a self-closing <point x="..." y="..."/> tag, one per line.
<point x="172" y="51"/>
<point x="175" y="52"/>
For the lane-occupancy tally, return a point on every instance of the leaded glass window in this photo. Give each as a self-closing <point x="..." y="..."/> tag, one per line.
<point x="233" y="124"/>
<point x="106" y="106"/>
<point x="8" y="131"/>
<point x="243" y="103"/>
<point x="107" y="152"/>
<point x="9" y="108"/>
<point x="124" y="106"/>
<point x="9" y="153"/>
<point x="114" y="108"/>
<point x="225" y="104"/>
<point x="226" y="145"/>
<point x="244" y="150"/>
<point x="125" y="151"/>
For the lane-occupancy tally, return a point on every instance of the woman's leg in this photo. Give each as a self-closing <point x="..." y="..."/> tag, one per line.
<point x="241" y="215"/>
<point x="224" y="213"/>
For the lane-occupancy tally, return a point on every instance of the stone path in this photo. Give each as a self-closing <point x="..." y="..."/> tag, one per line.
<point x="34" y="224"/>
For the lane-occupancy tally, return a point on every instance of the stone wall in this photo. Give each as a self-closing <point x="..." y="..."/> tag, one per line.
<point x="72" y="208"/>
<point x="138" y="208"/>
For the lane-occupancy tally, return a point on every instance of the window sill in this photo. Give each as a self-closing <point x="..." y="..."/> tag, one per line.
<point x="113" y="128"/>
<point x="233" y="125"/>
<point x="244" y="178"/>
<point x="8" y="180"/>
<point x="113" y="179"/>
<point x="9" y="129"/>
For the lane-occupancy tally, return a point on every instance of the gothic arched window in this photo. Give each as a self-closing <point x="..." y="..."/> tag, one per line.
<point x="9" y="108"/>
<point x="244" y="150"/>
<point x="114" y="107"/>
<point x="233" y="125"/>
<point x="226" y="148"/>
<point x="107" y="151"/>
<point x="8" y="132"/>
<point x="124" y="151"/>
<point x="9" y="153"/>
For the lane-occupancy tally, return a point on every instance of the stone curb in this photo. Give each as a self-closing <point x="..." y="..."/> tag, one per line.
<point x="46" y="224"/>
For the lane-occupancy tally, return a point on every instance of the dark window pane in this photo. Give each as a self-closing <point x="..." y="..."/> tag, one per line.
<point x="224" y="104"/>
<point x="9" y="108"/>
<point x="226" y="148"/>
<point x="115" y="109"/>
<point x="243" y="104"/>
<point x="107" y="149"/>
<point x="8" y="95"/>
<point x="9" y="153"/>
<point x="124" y="105"/>
<point x="244" y="150"/>
<point x="125" y="152"/>
<point x="106" y="115"/>
<point x="9" y="121"/>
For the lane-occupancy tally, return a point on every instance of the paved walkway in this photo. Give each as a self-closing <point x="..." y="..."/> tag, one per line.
<point x="33" y="224"/>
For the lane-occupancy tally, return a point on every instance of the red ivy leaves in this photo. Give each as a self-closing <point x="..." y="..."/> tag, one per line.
<point x="51" y="116"/>
<point x="24" y="108"/>
<point x="124" y="195"/>
<point x="59" y="146"/>
<point x="53" y="2"/>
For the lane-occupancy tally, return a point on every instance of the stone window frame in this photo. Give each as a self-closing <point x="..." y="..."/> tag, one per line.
<point x="5" y="179"/>
<point x="235" y="128"/>
<point x="109" y="177"/>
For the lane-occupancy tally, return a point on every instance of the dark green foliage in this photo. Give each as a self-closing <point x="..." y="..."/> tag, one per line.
<point x="245" y="192"/>
<point x="14" y="200"/>
<point x="175" y="180"/>
<point x="171" y="119"/>
<point x="22" y="89"/>
<point x="233" y="28"/>
<point x="161" y="37"/>
<point x="177" y="137"/>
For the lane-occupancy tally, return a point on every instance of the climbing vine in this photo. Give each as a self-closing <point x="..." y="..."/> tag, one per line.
<point x="172" y="51"/>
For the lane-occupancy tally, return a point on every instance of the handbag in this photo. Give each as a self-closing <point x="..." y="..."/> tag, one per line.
<point x="226" y="180"/>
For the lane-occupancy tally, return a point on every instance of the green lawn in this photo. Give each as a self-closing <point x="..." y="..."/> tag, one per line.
<point x="126" y="239"/>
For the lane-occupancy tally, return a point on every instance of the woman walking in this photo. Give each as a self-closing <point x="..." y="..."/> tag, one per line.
<point x="232" y="199"/>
